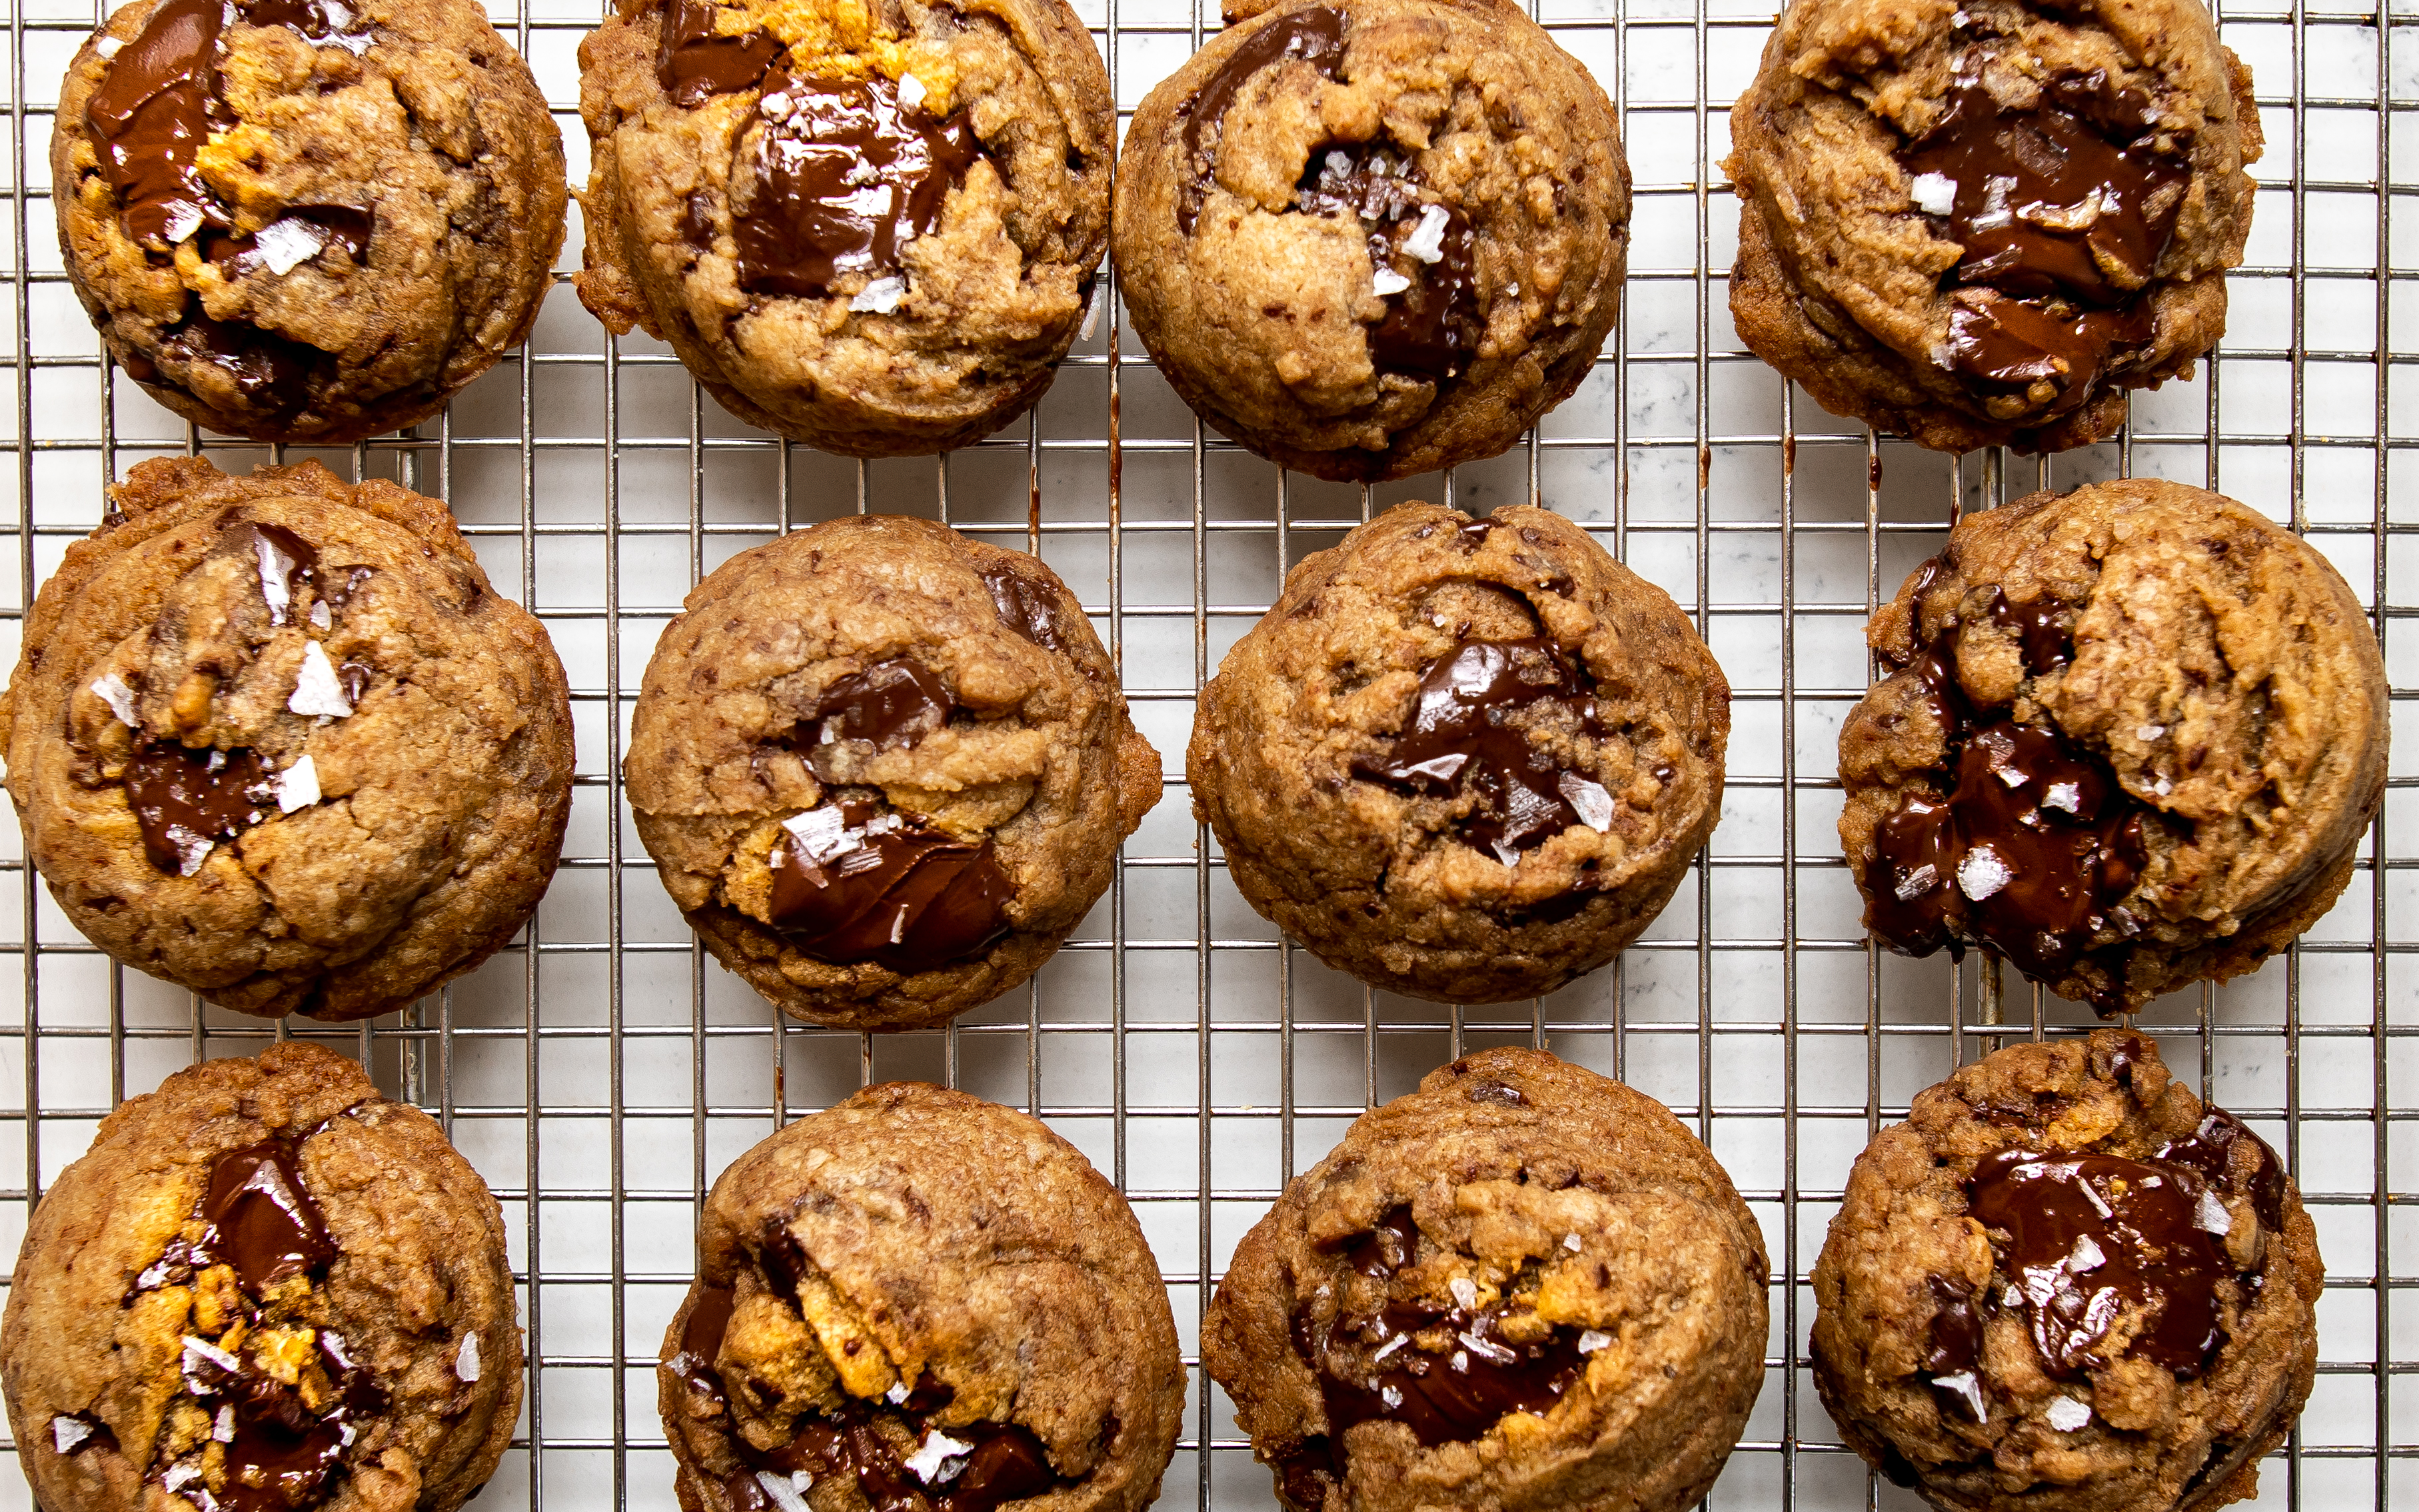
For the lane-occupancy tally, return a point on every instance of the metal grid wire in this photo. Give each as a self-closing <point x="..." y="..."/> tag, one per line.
<point x="600" y="1072"/>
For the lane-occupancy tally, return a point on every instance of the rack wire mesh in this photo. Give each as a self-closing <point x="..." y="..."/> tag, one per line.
<point x="601" y="1071"/>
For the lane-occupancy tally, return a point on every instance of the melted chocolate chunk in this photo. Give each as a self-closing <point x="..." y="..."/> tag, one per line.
<point x="694" y="63"/>
<point x="185" y="801"/>
<point x="1456" y="742"/>
<point x="283" y="560"/>
<point x="1023" y="607"/>
<point x="2093" y="1238"/>
<point x="891" y="704"/>
<point x="263" y="1220"/>
<point x="842" y="177"/>
<point x="850" y="884"/>
<point x="1316" y="36"/>
<point x="2035" y="844"/>
<point x="1004" y="1461"/>
<point x="1447" y="1380"/>
<point x="1499" y="1093"/>
<point x="2211" y="1150"/>
<point x="1956" y="1348"/>
<point x="272" y="373"/>
<point x="2062" y="212"/>
<point x="150" y="118"/>
<point x="328" y="225"/>
<point x="1432" y="325"/>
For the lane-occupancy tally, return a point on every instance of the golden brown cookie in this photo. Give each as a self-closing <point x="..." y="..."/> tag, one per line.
<point x="264" y="1289"/>
<point x="2067" y="1284"/>
<point x="1521" y="1286"/>
<point x="920" y="1302"/>
<point x="871" y="228"/>
<point x="1978" y="223"/>
<point x="2134" y="737"/>
<point x="1463" y="759"/>
<point x="275" y="739"/>
<point x="1373" y="238"/>
<point x="306" y="220"/>
<point x="884" y="769"/>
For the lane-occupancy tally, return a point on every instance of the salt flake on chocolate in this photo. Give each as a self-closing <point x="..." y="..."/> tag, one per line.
<point x="1964" y="1385"/>
<point x="1594" y="1339"/>
<point x="1593" y="804"/>
<point x="911" y="91"/>
<point x="939" y="1458"/>
<point x="2212" y="1217"/>
<point x="881" y="296"/>
<point x="1426" y="241"/>
<point x="318" y="690"/>
<point x="289" y="242"/>
<point x="1386" y="282"/>
<point x="1982" y="874"/>
<point x="1934" y="193"/>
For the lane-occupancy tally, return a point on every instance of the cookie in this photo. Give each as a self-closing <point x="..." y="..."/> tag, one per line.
<point x="1462" y="758"/>
<point x="919" y="1302"/>
<point x="275" y="739"/>
<point x="871" y="228"/>
<point x="306" y="220"/>
<point x="264" y="1288"/>
<point x="1522" y="1284"/>
<point x="1373" y="237"/>
<point x="2067" y="1284"/>
<point x="884" y="769"/>
<point x="2132" y="738"/>
<point x="1978" y="222"/>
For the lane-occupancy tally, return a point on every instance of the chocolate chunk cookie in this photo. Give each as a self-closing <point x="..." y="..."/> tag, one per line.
<point x="2067" y="1285"/>
<point x="1463" y="759"/>
<point x="306" y="220"/>
<point x="920" y="1302"/>
<point x="264" y="1289"/>
<point x="1521" y="1286"/>
<point x="871" y="228"/>
<point x="2133" y="738"/>
<point x="1373" y="238"/>
<point x="1978" y="223"/>
<point x="273" y="738"/>
<point x="884" y="769"/>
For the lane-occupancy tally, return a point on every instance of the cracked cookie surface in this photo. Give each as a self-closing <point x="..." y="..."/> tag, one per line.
<point x="306" y="220"/>
<point x="275" y="739"/>
<point x="920" y="1302"/>
<point x="873" y="228"/>
<point x="2131" y="739"/>
<point x="1373" y="238"/>
<point x="2067" y="1284"/>
<point x="884" y="769"/>
<point x="1980" y="225"/>
<point x="1463" y="759"/>
<point x="1523" y="1285"/>
<point x="264" y="1289"/>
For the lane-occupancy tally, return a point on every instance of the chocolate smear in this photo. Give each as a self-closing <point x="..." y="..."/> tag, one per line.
<point x="1432" y="322"/>
<point x="1458" y="742"/>
<point x="2090" y="1238"/>
<point x="1314" y="35"/>
<point x="842" y="176"/>
<point x="185" y="801"/>
<point x="694" y="63"/>
<point x="852" y="885"/>
<point x="149" y="120"/>
<point x="263" y="1221"/>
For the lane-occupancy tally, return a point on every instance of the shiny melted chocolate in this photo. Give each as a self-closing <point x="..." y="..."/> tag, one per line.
<point x="1456" y="743"/>
<point x="259" y="1220"/>
<point x="888" y="705"/>
<point x="328" y="225"/>
<point x="843" y="177"/>
<point x="2089" y="1240"/>
<point x="2064" y="212"/>
<point x="149" y="119"/>
<point x="1436" y="1369"/>
<point x="1314" y="35"/>
<point x="1004" y="1461"/>
<point x="694" y="63"/>
<point x="1432" y="327"/>
<point x="2035" y="845"/>
<point x="1023" y="607"/>
<point x="852" y="885"/>
<point x="185" y="801"/>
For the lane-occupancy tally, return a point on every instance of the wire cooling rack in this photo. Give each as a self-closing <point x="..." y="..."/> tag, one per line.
<point x="601" y="1071"/>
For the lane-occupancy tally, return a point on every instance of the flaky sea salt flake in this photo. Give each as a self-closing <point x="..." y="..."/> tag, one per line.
<point x="1465" y="1292"/>
<point x="882" y="297"/>
<point x="1982" y="874"/>
<point x="289" y="242"/>
<point x="932" y="1461"/>
<point x="111" y="689"/>
<point x="1594" y="1339"/>
<point x="911" y="91"/>
<point x="1934" y="193"/>
<point x="2066" y="1414"/>
<point x="466" y="1359"/>
<point x="2212" y="1216"/>
<point x="67" y="1433"/>
<point x="318" y="690"/>
<point x="298" y="788"/>
<point x="1426" y="241"/>
<point x="1964" y="1385"/>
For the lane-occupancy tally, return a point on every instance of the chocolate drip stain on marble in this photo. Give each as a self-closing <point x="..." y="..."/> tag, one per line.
<point x="1458" y="743"/>
<point x="285" y="1440"/>
<point x="694" y="62"/>
<point x="2032" y="846"/>
<point x="1432" y="323"/>
<point x="841" y="177"/>
<point x="1436" y="1369"/>
<point x="2063" y="212"/>
<point x="852" y="885"/>
<point x="1316" y="36"/>
<point x="1001" y="1462"/>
